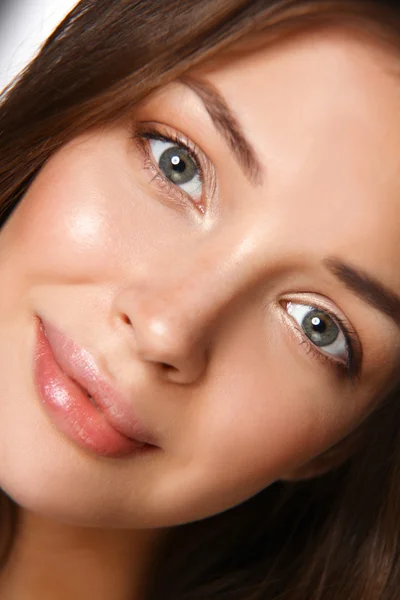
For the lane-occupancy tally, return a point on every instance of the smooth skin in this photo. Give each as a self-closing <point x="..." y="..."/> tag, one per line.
<point x="188" y="301"/>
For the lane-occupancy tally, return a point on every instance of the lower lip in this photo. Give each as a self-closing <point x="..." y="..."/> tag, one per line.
<point x="70" y="409"/>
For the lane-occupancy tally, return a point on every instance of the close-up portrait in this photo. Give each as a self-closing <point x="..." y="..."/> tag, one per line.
<point x="200" y="300"/>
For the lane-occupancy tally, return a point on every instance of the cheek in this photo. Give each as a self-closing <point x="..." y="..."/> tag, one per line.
<point x="265" y="424"/>
<point x="267" y="412"/>
<point x="63" y="225"/>
<point x="86" y="217"/>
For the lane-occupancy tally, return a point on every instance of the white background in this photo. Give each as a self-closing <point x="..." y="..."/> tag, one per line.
<point x="25" y="26"/>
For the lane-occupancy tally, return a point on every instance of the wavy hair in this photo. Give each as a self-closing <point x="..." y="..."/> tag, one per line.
<point x="336" y="537"/>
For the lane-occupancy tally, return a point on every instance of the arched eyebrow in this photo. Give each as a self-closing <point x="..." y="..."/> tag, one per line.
<point x="366" y="287"/>
<point x="228" y="126"/>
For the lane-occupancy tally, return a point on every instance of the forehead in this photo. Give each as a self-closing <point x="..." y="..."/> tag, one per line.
<point x="323" y="113"/>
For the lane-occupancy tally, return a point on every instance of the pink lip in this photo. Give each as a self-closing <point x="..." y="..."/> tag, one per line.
<point x="80" y="401"/>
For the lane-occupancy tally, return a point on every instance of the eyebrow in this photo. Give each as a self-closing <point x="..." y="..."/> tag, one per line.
<point x="229" y="127"/>
<point x="366" y="287"/>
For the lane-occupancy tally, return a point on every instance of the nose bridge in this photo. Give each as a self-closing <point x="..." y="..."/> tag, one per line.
<point x="172" y="311"/>
<point x="204" y="283"/>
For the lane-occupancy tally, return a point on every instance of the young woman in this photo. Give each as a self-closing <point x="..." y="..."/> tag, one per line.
<point x="200" y="304"/>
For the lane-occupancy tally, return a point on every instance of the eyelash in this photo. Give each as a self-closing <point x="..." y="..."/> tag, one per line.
<point x="351" y="367"/>
<point x="151" y="132"/>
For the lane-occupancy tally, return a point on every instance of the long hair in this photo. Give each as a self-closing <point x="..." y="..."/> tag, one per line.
<point x="333" y="538"/>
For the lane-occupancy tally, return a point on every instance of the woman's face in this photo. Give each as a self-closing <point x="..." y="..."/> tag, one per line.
<point x="219" y="273"/>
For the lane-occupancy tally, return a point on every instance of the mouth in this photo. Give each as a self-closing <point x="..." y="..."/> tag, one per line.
<point x="80" y="401"/>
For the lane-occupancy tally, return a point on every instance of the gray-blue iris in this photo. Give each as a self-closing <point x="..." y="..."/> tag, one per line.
<point x="320" y="328"/>
<point x="177" y="165"/>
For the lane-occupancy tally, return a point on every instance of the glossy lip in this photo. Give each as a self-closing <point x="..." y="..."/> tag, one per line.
<point x="80" y="400"/>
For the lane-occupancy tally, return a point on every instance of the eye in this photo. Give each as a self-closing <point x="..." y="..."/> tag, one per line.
<point x="178" y="165"/>
<point x="323" y="330"/>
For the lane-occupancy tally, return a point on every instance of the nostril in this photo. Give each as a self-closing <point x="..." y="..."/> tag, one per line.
<point x="155" y="339"/>
<point x="168" y="367"/>
<point x="126" y="319"/>
<point x="165" y="366"/>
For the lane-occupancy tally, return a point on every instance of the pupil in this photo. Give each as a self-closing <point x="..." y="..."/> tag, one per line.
<point x="318" y="324"/>
<point x="178" y="164"/>
<point x="320" y="328"/>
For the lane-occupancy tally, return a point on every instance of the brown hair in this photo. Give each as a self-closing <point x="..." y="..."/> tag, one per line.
<point x="332" y="538"/>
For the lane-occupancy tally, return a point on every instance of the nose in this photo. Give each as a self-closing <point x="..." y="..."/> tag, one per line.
<point x="166" y="333"/>
<point x="173" y="318"/>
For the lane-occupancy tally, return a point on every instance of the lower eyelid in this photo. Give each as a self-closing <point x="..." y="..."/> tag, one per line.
<point x="311" y="349"/>
<point x="205" y="166"/>
<point x="163" y="184"/>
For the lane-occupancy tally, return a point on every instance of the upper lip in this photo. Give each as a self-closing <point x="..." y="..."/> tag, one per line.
<point x="80" y="365"/>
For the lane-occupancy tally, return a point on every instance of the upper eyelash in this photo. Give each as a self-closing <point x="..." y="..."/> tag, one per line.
<point x="353" y="363"/>
<point x="353" y="345"/>
<point x="349" y="334"/>
<point x="152" y="133"/>
<point x="176" y="139"/>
